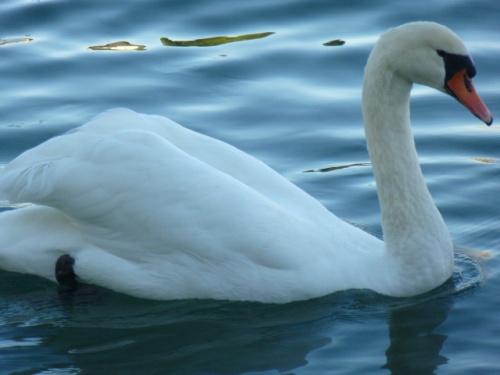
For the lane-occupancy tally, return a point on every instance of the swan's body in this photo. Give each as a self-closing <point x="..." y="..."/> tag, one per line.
<point x="152" y="209"/>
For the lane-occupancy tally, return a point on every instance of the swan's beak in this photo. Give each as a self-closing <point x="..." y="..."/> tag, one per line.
<point x="460" y="86"/>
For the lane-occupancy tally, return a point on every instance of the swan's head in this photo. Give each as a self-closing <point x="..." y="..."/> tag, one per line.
<point x="431" y="54"/>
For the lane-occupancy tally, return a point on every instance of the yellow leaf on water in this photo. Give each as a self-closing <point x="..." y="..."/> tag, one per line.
<point x="14" y="40"/>
<point x="485" y="160"/>
<point x="119" y="46"/>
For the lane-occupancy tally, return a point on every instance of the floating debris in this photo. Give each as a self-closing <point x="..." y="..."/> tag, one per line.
<point x="119" y="46"/>
<point x="14" y="40"/>
<point x="335" y="42"/>
<point x="485" y="160"/>
<point x="334" y="168"/>
<point x="214" y="41"/>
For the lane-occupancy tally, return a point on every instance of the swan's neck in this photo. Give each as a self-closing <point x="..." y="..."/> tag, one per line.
<point x="415" y="234"/>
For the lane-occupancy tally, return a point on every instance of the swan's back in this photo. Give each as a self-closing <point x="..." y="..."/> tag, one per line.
<point x="206" y="150"/>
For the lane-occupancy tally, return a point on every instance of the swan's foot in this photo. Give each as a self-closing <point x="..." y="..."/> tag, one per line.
<point x="65" y="274"/>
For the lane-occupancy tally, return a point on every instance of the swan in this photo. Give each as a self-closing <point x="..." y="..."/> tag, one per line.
<point x="141" y="205"/>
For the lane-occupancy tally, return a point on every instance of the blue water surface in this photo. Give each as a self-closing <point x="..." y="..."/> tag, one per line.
<point x="295" y="104"/>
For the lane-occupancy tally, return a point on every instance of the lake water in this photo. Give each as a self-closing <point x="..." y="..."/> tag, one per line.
<point x="295" y="104"/>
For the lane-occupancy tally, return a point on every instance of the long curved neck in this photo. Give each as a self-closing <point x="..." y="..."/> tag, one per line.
<point x="414" y="231"/>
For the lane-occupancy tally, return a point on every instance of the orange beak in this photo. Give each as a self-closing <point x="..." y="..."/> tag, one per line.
<point x="460" y="86"/>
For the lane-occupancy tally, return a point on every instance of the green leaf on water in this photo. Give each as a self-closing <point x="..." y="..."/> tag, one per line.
<point x="329" y="169"/>
<point x="214" y="41"/>
<point x="335" y="42"/>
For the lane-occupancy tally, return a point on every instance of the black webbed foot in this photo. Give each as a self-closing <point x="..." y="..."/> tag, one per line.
<point x="65" y="274"/>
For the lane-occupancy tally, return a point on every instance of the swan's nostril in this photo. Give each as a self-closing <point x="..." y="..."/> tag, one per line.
<point x="468" y="83"/>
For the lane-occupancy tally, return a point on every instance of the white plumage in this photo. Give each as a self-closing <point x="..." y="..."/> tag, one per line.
<point x="152" y="209"/>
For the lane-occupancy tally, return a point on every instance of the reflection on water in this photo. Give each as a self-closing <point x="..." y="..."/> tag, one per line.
<point x="95" y="329"/>
<point x="415" y="347"/>
<point x="198" y="337"/>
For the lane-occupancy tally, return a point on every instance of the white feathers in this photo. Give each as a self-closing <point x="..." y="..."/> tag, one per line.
<point x="152" y="209"/>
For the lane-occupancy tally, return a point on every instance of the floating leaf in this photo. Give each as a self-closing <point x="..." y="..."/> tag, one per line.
<point x="485" y="160"/>
<point x="328" y="169"/>
<point x="119" y="46"/>
<point x="482" y="253"/>
<point x="214" y="41"/>
<point x="14" y="40"/>
<point x="335" y="42"/>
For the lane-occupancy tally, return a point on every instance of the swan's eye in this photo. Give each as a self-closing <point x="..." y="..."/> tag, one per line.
<point x="453" y="63"/>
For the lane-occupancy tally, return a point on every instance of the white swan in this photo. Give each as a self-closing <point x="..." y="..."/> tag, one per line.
<point x="152" y="209"/>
